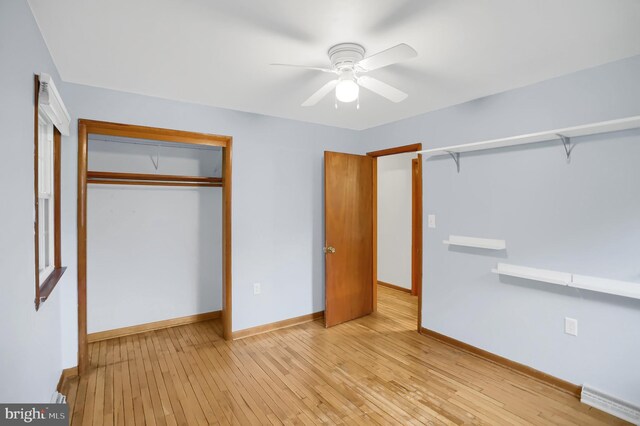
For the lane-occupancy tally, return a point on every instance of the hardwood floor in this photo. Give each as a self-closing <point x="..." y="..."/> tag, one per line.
<point x="375" y="370"/>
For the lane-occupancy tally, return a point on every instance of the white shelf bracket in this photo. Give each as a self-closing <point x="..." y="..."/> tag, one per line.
<point x="566" y="142"/>
<point x="456" y="158"/>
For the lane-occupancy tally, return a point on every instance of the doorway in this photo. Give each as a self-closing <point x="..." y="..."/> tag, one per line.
<point x="172" y="139"/>
<point x="397" y="241"/>
<point x="351" y="237"/>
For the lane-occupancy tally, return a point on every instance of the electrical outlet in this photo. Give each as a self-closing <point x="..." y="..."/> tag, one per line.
<point x="257" y="288"/>
<point x="431" y="221"/>
<point x="571" y="326"/>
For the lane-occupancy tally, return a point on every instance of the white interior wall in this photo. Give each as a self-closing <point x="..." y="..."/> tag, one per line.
<point x="394" y="219"/>
<point x="153" y="252"/>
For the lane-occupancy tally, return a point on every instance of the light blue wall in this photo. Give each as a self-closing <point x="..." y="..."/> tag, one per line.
<point x="30" y="343"/>
<point x="582" y="217"/>
<point x="277" y="199"/>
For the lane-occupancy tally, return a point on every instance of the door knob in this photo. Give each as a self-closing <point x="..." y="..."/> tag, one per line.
<point x="329" y="250"/>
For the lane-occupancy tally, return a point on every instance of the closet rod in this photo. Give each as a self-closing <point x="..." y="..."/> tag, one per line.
<point x="152" y="183"/>
<point x="94" y="175"/>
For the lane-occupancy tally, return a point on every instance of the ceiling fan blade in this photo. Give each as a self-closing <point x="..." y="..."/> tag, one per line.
<point x="305" y="67"/>
<point x="392" y="55"/>
<point x="382" y="89"/>
<point x="324" y="91"/>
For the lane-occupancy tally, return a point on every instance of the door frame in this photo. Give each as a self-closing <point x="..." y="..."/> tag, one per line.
<point x="86" y="127"/>
<point x="416" y="222"/>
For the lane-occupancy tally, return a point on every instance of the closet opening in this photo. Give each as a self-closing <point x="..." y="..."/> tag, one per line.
<point x="397" y="235"/>
<point x="154" y="231"/>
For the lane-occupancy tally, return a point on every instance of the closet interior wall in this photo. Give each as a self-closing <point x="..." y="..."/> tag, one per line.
<point x="154" y="247"/>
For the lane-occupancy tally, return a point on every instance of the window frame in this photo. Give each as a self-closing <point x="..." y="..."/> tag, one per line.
<point x="44" y="285"/>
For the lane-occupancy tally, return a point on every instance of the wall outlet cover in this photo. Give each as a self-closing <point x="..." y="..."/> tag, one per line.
<point x="257" y="288"/>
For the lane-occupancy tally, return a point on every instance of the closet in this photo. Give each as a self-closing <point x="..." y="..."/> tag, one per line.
<point x="153" y="230"/>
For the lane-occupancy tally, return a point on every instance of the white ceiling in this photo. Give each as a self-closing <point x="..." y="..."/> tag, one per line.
<point x="217" y="52"/>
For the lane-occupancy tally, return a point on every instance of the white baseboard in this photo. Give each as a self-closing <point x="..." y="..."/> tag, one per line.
<point x="610" y="404"/>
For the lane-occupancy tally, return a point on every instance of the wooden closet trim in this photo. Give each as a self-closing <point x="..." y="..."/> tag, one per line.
<point x="146" y="176"/>
<point x="150" y="183"/>
<point x="155" y="133"/>
<point x="86" y="127"/>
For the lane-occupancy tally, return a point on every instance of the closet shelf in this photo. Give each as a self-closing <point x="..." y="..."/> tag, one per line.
<point x="557" y="134"/>
<point x="600" y="285"/>
<point x="116" y="178"/>
<point x="484" y="243"/>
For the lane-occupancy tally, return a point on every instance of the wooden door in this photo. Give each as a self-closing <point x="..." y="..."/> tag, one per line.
<point x="348" y="206"/>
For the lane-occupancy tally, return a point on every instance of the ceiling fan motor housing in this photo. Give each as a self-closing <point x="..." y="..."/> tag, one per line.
<point x="344" y="56"/>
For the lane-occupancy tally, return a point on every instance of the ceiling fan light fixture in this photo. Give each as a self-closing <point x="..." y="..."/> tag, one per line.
<point x="347" y="90"/>
<point x="349" y="63"/>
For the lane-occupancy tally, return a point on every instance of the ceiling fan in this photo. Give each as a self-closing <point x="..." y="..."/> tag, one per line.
<point x="348" y="63"/>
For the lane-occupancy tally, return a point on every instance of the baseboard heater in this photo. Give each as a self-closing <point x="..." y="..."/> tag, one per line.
<point x="58" y="398"/>
<point x="610" y="404"/>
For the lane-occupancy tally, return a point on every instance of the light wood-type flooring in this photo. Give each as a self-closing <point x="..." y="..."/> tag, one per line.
<point x="374" y="370"/>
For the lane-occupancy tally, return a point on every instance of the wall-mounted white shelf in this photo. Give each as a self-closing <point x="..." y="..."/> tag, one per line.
<point x="553" y="277"/>
<point x="601" y="285"/>
<point x="557" y="134"/>
<point x="484" y="243"/>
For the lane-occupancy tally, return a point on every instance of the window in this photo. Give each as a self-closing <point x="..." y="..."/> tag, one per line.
<point x="50" y="116"/>
<point x="46" y="196"/>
